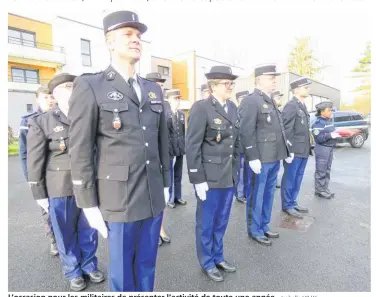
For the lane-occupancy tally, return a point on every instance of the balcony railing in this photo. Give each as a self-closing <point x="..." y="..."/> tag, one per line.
<point x="27" y="80"/>
<point x="39" y="45"/>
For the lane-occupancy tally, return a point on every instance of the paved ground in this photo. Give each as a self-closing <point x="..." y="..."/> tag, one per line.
<point x="332" y="255"/>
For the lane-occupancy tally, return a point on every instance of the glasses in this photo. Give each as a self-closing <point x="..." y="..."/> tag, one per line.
<point x="227" y="84"/>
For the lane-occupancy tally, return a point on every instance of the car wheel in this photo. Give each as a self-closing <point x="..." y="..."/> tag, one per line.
<point x="357" y="141"/>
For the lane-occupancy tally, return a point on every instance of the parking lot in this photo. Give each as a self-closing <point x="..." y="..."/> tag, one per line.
<point x="328" y="251"/>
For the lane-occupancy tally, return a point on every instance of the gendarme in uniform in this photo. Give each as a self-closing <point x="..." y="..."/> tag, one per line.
<point x="123" y="118"/>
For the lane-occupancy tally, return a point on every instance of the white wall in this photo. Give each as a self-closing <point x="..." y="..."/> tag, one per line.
<point x="17" y="102"/>
<point x="68" y="33"/>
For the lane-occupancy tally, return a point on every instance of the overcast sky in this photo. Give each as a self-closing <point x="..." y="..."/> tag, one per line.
<point x="229" y="31"/>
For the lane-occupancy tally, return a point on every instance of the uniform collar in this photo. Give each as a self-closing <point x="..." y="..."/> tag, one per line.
<point x="124" y="75"/>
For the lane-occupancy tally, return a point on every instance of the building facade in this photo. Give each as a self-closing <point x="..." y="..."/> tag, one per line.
<point x="33" y="59"/>
<point x="319" y="91"/>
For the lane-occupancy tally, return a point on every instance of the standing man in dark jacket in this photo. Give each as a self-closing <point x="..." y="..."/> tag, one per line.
<point x="45" y="102"/>
<point x="263" y="137"/>
<point x="326" y="139"/>
<point x="213" y="163"/>
<point x="277" y="97"/>
<point x="296" y="120"/>
<point x="243" y="186"/>
<point x="121" y="114"/>
<point x="159" y="80"/>
<point x="50" y="176"/>
<point x="176" y="135"/>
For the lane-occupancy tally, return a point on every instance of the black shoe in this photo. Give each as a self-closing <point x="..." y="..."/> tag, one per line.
<point x="271" y="234"/>
<point x="262" y="240"/>
<point x="292" y="212"/>
<point x="165" y="239"/>
<point x="160" y="241"/>
<point x="53" y="249"/>
<point x="324" y="195"/>
<point x="77" y="284"/>
<point x="214" y="274"/>
<point x="241" y="199"/>
<point x="96" y="276"/>
<point x="278" y="186"/>
<point x="170" y="205"/>
<point x="181" y="201"/>
<point x="301" y="208"/>
<point x="225" y="266"/>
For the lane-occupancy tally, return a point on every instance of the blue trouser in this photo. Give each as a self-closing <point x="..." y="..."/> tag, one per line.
<point x="133" y="254"/>
<point x="260" y="200"/>
<point x="176" y="174"/>
<point x="212" y="216"/>
<point x="243" y="186"/>
<point x="291" y="181"/>
<point x="76" y="241"/>
<point x="324" y="159"/>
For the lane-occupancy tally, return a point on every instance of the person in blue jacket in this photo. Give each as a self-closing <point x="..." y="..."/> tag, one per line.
<point x="326" y="139"/>
<point x="45" y="102"/>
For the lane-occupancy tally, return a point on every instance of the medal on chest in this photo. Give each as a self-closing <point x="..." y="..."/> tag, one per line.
<point x="62" y="145"/>
<point x="116" y="122"/>
<point x="219" y="137"/>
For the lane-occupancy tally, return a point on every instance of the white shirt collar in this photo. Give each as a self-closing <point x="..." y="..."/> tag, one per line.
<point x="124" y="75"/>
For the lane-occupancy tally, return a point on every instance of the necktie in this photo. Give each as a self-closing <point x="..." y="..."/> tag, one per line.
<point x="130" y="82"/>
<point x="225" y="107"/>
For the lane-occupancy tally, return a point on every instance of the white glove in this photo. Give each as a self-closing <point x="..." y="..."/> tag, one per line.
<point x="334" y="135"/>
<point x="255" y="166"/>
<point x="201" y="190"/>
<point x="173" y="162"/>
<point x="44" y="204"/>
<point x="166" y="194"/>
<point x="95" y="219"/>
<point x="289" y="159"/>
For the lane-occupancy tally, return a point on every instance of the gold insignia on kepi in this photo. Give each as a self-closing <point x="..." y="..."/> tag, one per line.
<point x="265" y="106"/>
<point x="217" y="121"/>
<point x="114" y="95"/>
<point x="152" y="95"/>
<point x="316" y="132"/>
<point x="59" y="128"/>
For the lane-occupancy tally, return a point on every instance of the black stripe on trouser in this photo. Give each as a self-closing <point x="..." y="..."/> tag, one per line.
<point x="250" y="202"/>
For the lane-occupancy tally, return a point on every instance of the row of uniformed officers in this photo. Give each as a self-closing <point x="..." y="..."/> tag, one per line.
<point x="110" y="157"/>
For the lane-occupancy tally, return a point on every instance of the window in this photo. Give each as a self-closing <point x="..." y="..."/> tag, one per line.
<point x="21" y="37"/>
<point x="85" y="52"/>
<point x="342" y="118"/>
<point x="164" y="70"/>
<point x="29" y="76"/>
<point x="29" y="108"/>
<point x="356" y="117"/>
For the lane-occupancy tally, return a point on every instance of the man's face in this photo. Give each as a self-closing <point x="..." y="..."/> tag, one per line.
<point x="174" y="102"/>
<point x="46" y="102"/>
<point x="327" y="113"/>
<point x="303" y="91"/>
<point x="224" y="88"/>
<point x="205" y="94"/>
<point x="278" y="100"/>
<point x="268" y="83"/>
<point x="125" y="43"/>
<point x="62" y="93"/>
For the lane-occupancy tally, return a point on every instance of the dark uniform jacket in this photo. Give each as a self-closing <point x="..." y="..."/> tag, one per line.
<point x="22" y="140"/>
<point x="261" y="129"/>
<point x="47" y="155"/>
<point x="176" y="131"/>
<point x="212" y="144"/>
<point x="296" y="120"/>
<point x="321" y="130"/>
<point x="131" y="139"/>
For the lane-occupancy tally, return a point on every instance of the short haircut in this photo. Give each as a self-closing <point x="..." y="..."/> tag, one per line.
<point x="212" y="82"/>
<point x="43" y="90"/>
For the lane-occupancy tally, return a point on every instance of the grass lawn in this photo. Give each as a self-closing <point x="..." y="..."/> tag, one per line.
<point x="13" y="148"/>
